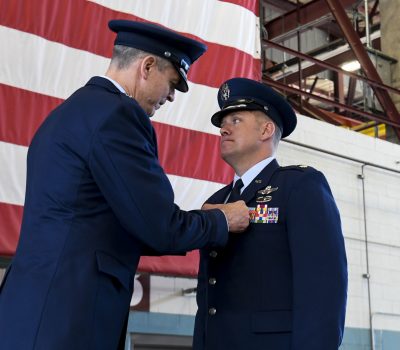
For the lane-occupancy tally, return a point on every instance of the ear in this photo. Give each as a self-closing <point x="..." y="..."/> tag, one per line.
<point x="267" y="130"/>
<point x="147" y="65"/>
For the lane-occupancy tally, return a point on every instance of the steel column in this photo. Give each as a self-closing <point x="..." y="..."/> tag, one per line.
<point x="369" y="69"/>
<point x="311" y="12"/>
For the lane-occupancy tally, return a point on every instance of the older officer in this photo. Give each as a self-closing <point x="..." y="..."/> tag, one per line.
<point x="282" y="285"/>
<point x="97" y="198"/>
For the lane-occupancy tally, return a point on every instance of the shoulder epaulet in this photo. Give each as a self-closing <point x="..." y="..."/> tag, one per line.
<point x="300" y="167"/>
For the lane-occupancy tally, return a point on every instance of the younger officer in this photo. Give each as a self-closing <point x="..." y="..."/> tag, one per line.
<point x="97" y="199"/>
<point x="283" y="284"/>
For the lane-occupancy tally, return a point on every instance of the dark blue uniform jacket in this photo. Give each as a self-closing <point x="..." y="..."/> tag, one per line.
<point x="283" y="284"/>
<point x="96" y="199"/>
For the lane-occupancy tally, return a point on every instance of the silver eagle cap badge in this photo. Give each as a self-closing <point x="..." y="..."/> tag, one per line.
<point x="225" y="92"/>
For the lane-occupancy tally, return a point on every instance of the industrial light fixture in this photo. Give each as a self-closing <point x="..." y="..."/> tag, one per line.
<point x="351" y="66"/>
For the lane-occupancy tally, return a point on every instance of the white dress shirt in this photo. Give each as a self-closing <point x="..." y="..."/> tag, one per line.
<point x="250" y="174"/>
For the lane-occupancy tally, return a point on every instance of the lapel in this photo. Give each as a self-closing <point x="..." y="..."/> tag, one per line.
<point x="260" y="181"/>
<point x="220" y="196"/>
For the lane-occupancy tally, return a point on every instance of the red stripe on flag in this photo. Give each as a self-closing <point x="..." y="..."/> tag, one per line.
<point x="89" y="31"/>
<point x="182" y="152"/>
<point x="251" y="5"/>
<point x="191" y="153"/>
<point x="10" y="219"/>
<point x="22" y="112"/>
<point x="187" y="265"/>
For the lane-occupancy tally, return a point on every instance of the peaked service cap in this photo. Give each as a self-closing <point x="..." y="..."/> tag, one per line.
<point x="245" y="94"/>
<point x="178" y="49"/>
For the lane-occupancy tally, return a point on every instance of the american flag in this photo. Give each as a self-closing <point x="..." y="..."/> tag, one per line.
<point x="50" y="48"/>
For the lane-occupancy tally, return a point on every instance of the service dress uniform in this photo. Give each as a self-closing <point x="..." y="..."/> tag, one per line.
<point x="96" y="200"/>
<point x="283" y="284"/>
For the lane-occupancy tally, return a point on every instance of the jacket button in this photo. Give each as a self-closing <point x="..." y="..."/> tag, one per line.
<point x="212" y="311"/>
<point x="213" y="254"/>
<point x="212" y="280"/>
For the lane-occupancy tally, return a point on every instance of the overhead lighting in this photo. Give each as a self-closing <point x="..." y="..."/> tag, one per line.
<point x="351" y="66"/>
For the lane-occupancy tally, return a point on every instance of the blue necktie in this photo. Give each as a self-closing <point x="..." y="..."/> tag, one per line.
<point x="235" y="193"/>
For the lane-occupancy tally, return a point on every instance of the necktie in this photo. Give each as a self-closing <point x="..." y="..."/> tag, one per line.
<point x="235" y="193"/>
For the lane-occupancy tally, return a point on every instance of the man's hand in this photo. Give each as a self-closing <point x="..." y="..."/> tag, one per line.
<point x="237" y="214"/>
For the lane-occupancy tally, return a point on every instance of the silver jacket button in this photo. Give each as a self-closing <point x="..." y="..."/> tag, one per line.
<point x="213" y="254"/>
<point x="212" y="311"/>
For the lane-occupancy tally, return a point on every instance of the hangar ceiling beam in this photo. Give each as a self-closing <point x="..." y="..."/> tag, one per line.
<point x="327" y="101"/>
<point x="307" y="15"/>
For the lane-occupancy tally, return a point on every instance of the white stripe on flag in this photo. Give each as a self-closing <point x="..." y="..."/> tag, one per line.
<point x="211" y="20"/>
<point x="192" y="193"/>
<point x="13" y="173"/>
<point x="189" y="193"/>
<point x="47" y="74"/>
<point x="39" y="65"/>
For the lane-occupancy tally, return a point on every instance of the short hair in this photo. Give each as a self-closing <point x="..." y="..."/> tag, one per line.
<point x="277" y="135"/>
<point x="123" y="56"/>
<point x="278" y="131"/>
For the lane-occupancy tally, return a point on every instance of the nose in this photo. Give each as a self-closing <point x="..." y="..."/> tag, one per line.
<point x="224" y="130"/>
<point x="171" y="95"/>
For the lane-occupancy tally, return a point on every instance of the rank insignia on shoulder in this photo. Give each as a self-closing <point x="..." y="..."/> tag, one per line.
<point x="294" y="167"/>
<point x="263" y="215"/>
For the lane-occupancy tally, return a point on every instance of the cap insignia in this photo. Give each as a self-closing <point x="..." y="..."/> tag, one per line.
<point x="225" y="92"/>
<point x="183" y="72"/>
<point x="185" y="65"/>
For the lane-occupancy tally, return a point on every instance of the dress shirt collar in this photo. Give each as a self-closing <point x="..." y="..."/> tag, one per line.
<point x="118" y="86"/>
<point x="250" y="174"/>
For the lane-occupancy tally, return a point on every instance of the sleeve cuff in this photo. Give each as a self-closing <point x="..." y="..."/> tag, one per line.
<point x="219" y="236"/>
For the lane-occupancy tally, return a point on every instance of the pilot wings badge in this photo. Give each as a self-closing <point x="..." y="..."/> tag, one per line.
<point x="267" y="190"/>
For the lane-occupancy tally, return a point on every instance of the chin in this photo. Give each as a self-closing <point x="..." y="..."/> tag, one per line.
<point x="226" y="155"/>
<point x="226" y="150"/>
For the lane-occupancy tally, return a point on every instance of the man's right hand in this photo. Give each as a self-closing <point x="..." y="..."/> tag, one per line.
<point x="237" y="214"/>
